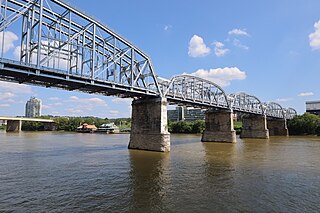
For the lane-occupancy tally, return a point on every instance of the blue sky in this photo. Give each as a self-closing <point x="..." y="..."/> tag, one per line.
<point x="270" y="49"/>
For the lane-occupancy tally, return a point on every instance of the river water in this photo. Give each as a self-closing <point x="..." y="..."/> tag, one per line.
<point x="68" y="172"/>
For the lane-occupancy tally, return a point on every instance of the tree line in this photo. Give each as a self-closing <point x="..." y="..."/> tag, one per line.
<point x="306" y="124"/>
<point x="72" y="123"/>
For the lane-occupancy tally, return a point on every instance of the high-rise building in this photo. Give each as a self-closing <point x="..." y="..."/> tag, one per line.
<point x="313" y="107"/>
<point x="33" y="107"/>
<point x="185" y="114"/>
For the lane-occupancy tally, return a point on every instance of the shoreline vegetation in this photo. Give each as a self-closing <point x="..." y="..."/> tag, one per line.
<point x="306" y="124"/>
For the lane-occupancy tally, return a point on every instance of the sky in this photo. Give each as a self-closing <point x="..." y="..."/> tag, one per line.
<point x="266" y="48"/>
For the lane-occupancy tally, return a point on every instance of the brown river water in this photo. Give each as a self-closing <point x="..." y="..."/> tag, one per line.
<point x="68" y="172"/>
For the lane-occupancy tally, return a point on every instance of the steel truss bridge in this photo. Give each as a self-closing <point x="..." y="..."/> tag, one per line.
<point x="62" y="47"/>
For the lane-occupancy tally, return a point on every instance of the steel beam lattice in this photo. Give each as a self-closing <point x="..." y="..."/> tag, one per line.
<point x="64" y="48"/>
<point x="194" y="91"/>
<point x="59" y="38"/>
<point x="246" y="103"/>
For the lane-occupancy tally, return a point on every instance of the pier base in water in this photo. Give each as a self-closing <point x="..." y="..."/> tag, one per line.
<point x="149" y="129"/>
<point x="219" y="127"/>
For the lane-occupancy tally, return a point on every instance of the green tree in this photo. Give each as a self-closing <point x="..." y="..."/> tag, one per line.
<point x="306" y="124"/>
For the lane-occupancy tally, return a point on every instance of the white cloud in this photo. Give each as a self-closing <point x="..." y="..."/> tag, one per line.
<point x="314" y="37"/>
<point x="237" y="43"/>
<point x="283" y="100"/>
<point x="15" y="88"/>
<point x="88" y="101"/>
<point x="197" y="47"/>
<point x="55" y="104"/>
<point x="4" y="105"/>
<point x="54" y="99"/>
<point x="44" y="107"/>
<point x="97" y="101"/>
<point x="303" y="94"/>
<point x="73" y="98"/>
<point x="17" y="52"/>
<point x="238" y="32"/>
<point x="122" y="100"/>
<point x="9" y="38"/>
<point x="221" y="76"/>
<point x="6" y="95"/>
<point x="114" y="112"/>
<point x="75" y="111"/>
<point x="219" y="49"/>
<point x="167" y="27"/>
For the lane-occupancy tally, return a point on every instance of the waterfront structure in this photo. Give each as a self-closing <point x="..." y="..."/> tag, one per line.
<point x="108" y="128"/>
<point x="86" y="128"/>
<point x="182" y="113"/>
<point x="92" y="58"/>
<point x="33" y="107"/>
<point x="313" y="107"/>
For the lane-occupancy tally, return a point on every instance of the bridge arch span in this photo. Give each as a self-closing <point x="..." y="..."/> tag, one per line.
<point x="194" y="91"/>
<point x="291" y="113"/>
<point x="274" y="109"/>
<point x="246" y="103"/>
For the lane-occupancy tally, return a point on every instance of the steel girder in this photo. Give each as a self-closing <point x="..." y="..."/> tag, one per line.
<point x="275" y="110"/>
<point x="194" y="91"/>
<point x="291" y="113"/>
<point x="246" y="103"/>
<point x="60" y="38"/>
<point x="63" y="47"/>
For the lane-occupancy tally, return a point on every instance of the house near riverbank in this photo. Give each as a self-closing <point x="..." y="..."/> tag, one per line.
<point x="86" y="128"/>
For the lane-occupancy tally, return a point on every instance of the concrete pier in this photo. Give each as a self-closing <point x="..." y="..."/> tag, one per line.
<point x="149" y="129"/>
<point x="219" y="127"/>
<point x="278" y="127"/>
<point x="254" y="126"/>
<point x="14" y="125"/>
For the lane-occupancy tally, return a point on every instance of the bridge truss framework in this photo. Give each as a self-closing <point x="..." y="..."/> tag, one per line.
<point x="62" y="47"/>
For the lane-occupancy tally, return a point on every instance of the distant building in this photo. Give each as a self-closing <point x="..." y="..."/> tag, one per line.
<point x="86" y="128"/>
<point x="186" y="114"/>
<point x="33" y="107"/>
<point x="313" y="107"/>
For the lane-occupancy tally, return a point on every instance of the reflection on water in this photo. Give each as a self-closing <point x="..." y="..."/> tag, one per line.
<point x="66" y="172"/>
<point x="148" y="179"/>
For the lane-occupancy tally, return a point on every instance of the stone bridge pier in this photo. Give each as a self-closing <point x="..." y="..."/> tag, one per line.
<point x="14" y="126"/>
<point x="278" y="127"/>
<point x="254" y="126"/>
<point x="219" y="127"/>
<point x="149" y="129"/>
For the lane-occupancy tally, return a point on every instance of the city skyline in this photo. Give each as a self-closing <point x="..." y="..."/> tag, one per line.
<point x="274" y="57"/>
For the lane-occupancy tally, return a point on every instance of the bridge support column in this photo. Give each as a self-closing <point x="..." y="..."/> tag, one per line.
<point x="219" y="127"/>
<point x="149" y="129"/>
<point x="278" y="127"/>
<point x="14" y="126"/>
<point x="254" y="126"/>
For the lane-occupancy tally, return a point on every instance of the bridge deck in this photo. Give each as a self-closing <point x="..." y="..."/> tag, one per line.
<point x="8" y="118"/>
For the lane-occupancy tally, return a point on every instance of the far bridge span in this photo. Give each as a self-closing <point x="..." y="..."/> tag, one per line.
<point x="14" y="124"/>
<point x="64" y="48"/>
